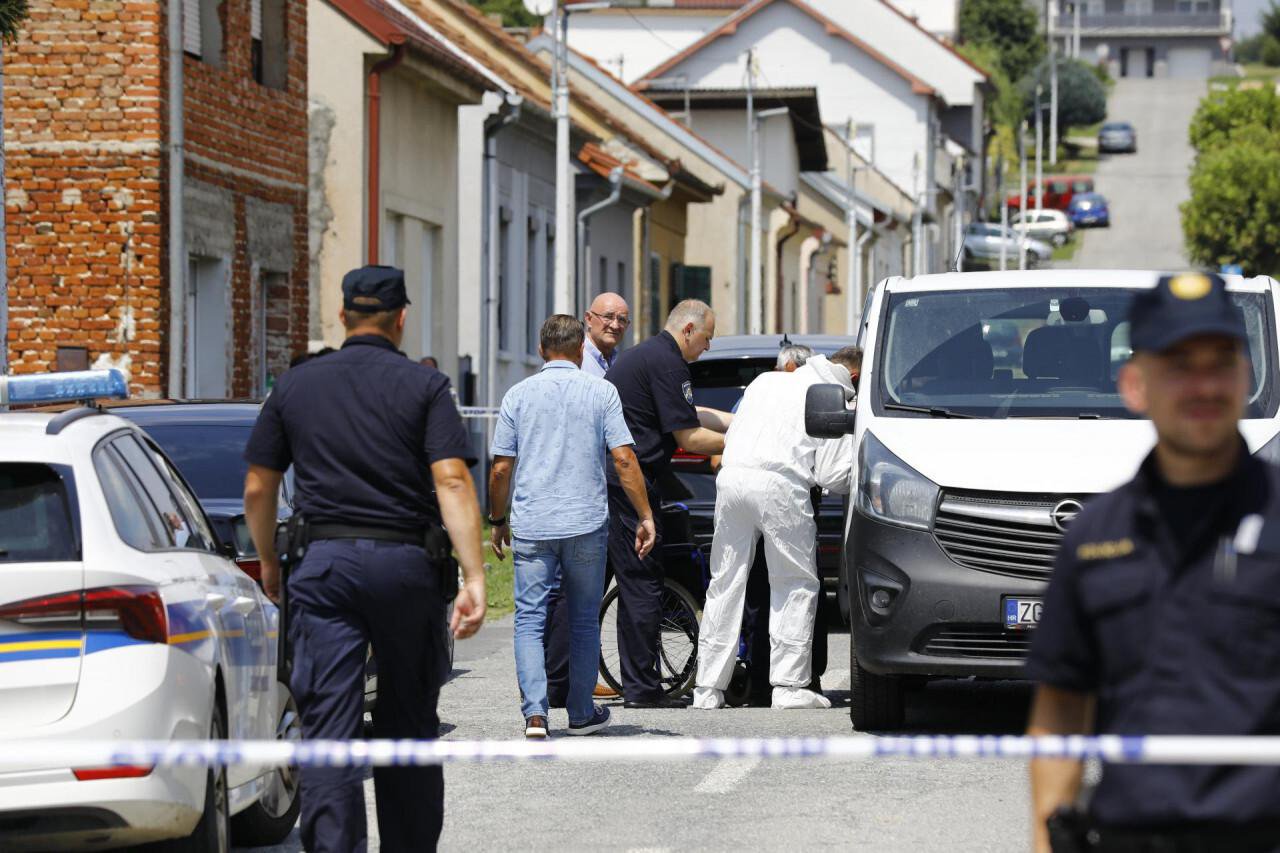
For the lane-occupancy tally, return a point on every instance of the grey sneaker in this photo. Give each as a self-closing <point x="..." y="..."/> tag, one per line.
<point x="599" y="720"/>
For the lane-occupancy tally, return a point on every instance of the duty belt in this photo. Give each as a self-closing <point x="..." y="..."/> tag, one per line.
<point x="351" y="531"/>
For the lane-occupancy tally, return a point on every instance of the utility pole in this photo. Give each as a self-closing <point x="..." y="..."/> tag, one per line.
<point x="1075" y="37"/>
<point x="1022" y="208"/>
<point x="755" y="289"/>
<point x="1053" y="87"/>
<point x="853" y="274"/>
<point x="1004" y="215"/>
<point x="1039" y="155"/>
<point x="565" y="290"/>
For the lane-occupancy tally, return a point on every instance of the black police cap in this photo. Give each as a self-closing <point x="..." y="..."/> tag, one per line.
<point x="374" y="288"/>
<point x="1180" y="307"/>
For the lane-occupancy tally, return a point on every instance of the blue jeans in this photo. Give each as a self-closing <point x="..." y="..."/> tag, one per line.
<point x="576" y="564"/>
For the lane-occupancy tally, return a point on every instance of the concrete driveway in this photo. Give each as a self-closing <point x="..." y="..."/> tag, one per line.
<point x="1145" y="189"/>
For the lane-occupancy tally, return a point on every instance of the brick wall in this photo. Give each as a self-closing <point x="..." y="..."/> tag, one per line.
<point x="83" y="198"/>
<point x="252" y="140"/>
<point x="86" y="211"/>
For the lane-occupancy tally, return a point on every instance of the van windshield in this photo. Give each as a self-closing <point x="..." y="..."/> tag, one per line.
<point x="1029" y="352"/>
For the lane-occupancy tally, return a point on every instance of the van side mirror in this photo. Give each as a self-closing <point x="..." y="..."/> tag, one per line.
<point x="825" y="415"/>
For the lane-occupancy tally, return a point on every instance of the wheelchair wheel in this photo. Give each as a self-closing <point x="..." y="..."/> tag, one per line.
<point x="677" y="640"/>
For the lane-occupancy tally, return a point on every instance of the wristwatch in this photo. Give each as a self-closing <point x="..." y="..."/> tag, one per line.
<point x="496" y="522"/>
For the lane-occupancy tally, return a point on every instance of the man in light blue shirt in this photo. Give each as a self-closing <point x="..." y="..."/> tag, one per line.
<point x="549" y="448"/>
<point x="608" y="319"/>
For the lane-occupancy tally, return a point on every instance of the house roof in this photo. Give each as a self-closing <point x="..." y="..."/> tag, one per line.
<point x="806" y="121"/>
<point x="602" y="163"/>
<point x="389" y="26"/>
<point x="730" y="26"/>
<point x="678" y="4"/>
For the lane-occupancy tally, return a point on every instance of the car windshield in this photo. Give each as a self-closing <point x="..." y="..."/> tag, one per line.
<point x="209" y="456"/>
<point x="37" y="514"/>
<point x="1029" y="352"/>
<point x="719" y="383"/>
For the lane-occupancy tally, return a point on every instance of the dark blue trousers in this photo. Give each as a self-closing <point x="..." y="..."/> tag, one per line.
<point x="639" y="594"/>
<point x="346" y="595"/>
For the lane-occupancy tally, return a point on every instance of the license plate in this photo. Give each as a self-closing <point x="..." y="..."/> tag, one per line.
<point x="1021" y="613"/>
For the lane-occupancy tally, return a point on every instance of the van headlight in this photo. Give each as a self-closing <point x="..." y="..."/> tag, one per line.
<point x="1270" y="452"/>
<point x="891" y="490"/>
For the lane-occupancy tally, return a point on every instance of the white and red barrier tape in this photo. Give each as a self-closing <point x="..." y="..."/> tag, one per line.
<point x="1155" y="749"/>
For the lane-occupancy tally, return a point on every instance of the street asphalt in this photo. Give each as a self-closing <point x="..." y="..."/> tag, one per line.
<point x="710" y="804"/>
<point x="1145" y="189"/>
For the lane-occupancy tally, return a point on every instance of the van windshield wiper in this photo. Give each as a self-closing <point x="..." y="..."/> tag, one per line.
<point x="932" y="411"/>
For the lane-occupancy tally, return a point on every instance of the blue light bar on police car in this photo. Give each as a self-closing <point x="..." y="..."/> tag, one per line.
<point x="63" y="387"/>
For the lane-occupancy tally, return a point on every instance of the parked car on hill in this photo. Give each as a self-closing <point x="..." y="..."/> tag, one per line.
<point x="1051" y="226"/>
<point x="982" y="242"/>
<point x="1090" y="209"/>
<point x="1117" y="136"/>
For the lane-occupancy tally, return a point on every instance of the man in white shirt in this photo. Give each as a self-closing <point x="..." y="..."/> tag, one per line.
<point x="762" y="491"/>
<point x="607" y="321"/>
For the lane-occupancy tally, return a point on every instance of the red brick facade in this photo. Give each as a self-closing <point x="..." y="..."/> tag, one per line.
<point x="85" y="131"/>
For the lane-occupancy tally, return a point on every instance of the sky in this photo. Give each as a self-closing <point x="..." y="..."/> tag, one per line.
<point x="1247" y="13"/>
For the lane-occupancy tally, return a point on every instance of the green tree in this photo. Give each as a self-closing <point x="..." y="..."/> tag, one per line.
<point x="1009" y="26"/>
<point x="513" y="12"/>
<point x="1270" y="19"/>
<point x="1233" y="215"/>
<point x="1222" y="116"/>
<point x="12" y="15"/>
<point x="1082" y="99"/>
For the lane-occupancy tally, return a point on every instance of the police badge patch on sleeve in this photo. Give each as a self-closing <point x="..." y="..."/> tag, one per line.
<point x="687" y="387"/>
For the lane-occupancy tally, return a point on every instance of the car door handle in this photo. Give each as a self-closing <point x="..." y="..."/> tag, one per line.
<point x="215" y="600"/>
<point x="244" y="605"/>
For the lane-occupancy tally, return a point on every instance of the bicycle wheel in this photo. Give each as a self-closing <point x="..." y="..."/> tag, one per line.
<point x="677" y="651"/>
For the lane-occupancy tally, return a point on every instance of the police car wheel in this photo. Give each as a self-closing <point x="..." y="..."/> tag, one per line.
<point x="271" y="818"/>
<point x="875" y="701"/>
<point x="213" y="833"/>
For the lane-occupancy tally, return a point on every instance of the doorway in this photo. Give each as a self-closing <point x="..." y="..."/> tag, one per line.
<point x="208" y="328"/>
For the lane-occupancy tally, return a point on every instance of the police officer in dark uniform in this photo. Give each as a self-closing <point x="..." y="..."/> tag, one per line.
<point x="368" y="433"/>
<point x="656" y="390"/>
<point x="1163" y="613"/>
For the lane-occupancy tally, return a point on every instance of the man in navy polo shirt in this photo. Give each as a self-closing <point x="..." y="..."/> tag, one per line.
<point x="1163" y="613"/>
<point x="368" y="433"/>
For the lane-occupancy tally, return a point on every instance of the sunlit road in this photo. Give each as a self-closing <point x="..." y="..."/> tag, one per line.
<point x="1145" y="189"/>
<point x="880" y="805"/>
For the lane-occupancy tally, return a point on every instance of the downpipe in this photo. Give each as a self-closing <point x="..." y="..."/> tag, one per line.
<point x="615" y="193"/>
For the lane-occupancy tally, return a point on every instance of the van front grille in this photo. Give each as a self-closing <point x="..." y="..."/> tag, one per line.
<point x="976" y="641"/>
<point x="1003" y="534"/>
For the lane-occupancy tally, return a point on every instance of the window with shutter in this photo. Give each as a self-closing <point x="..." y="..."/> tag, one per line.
<point x="191" y="27"/>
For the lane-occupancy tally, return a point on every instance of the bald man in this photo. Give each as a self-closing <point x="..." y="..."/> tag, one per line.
<point x="607" y="321"/>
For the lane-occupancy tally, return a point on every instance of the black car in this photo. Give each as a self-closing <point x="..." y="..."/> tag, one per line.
<point x="206" y="441"/>
<point x="719" y="378"/>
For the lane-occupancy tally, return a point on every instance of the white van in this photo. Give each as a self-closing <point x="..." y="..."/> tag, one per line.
<point x="987" y="416"/>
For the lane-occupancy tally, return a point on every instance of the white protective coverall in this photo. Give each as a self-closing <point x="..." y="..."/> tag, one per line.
<point x="769" y="465"/>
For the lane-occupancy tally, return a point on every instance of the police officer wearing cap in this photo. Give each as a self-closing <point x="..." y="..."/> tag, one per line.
<point x="369" y="433"/>
<point x="656" y="391"/>
<point x="1163" y="613"/>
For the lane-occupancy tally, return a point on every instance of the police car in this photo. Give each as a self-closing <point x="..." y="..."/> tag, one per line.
<point x="122" y="617"/>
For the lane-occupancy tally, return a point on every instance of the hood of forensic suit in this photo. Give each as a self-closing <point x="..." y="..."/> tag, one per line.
<point x="829" y="372"/>
<point x="1045" y="456"/>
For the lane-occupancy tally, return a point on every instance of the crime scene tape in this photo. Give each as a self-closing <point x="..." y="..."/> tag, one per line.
<point x="477" y="412"/>
<point x="1136" y="749"/>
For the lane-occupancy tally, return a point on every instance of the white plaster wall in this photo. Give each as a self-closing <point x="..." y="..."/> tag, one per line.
<point x="940" y="17"/>
<point x="336" y="85"/>
<point x="608" y="36"/>
<point x="876" y="23"/>
<point x="779" y="161"/>
<point x="470" y="232"/>
<point x="419" y="177"/>
<point x="795" y="50"/>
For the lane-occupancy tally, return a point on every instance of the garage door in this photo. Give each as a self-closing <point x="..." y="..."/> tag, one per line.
<point x="1189" y="63"/>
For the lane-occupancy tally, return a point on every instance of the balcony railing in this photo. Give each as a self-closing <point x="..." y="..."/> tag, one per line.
<point x="1146" y="22"/>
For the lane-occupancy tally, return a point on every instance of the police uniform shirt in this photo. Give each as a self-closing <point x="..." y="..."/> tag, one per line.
<point x="1175" y="632"/>
<point x="656" y="390"/>
<point x="361" y="427"/>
